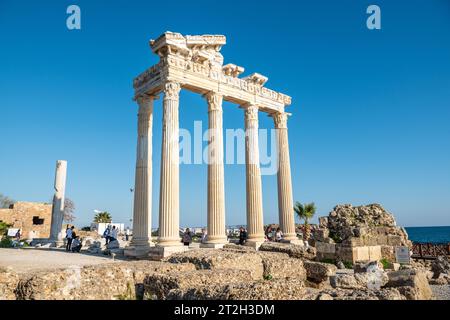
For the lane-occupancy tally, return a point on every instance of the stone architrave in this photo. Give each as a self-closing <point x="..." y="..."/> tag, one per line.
<point x="58" y="201"/>
<point x="216" y="190"/>
<point x="285" y="200"/>
<point x="255" y="225"/>
<point x="142" y="212"/>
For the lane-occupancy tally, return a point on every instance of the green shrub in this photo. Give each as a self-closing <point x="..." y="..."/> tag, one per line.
<point x="348" y="264"/>
<point x="328" y="260"/>
<point x="386" y="263"/>
<point x="6" y="242"/>
<point x="268" y="277"/>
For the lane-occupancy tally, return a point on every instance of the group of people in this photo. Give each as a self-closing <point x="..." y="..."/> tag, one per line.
<point x="272" y="234"/>
<point x="110" y="234"/>
<point x="73" y="242"/>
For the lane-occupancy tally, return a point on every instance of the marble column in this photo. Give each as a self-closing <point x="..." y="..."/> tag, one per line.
<point x="255" y="226"/>
<point x="216" y="193"/>
<point x="142" y="212"/>
<point x="285" y="200"/>
<point x="169" y="215"/>
<point x="58" y="201"/>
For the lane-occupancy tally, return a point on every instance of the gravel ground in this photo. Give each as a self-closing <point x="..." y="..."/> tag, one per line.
<point x="32" y="259"/>
<point x="441" y="292"/>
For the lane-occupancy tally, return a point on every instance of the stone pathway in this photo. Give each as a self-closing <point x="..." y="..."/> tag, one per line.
<point x="441" y="292"/>
<point x="33" y="259"/>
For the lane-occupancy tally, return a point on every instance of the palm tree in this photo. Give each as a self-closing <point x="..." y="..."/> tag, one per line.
<point x="306" y="212"/>
<point x="103" y="217"/>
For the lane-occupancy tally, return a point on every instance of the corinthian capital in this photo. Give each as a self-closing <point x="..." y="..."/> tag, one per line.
<point x="280" y="120"/>
<point x="214" y="101"/>
<point x="145" y="103"/>
<point x="171" y="90"/>
<point x="251" y="113"/>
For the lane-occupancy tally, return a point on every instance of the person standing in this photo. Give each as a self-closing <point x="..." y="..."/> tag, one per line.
<point x="187" y="237"/>
<point x="278" y="235"/>
<point x="69" y="237"/>
<point x="127" y="234"/>
<point x="17" y="236"/>
<point x="106" y="234"/>
<point x="242" y="236"/>
<point x="204" y="236"/>
<point x="114" y="234"/>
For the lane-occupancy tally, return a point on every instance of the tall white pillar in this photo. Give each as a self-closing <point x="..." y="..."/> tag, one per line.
<point x="142" y="212"/>
<point x="216" y="193"/>
<point x="169" y="210"/>
<point x="255" y="226"/>
<point x="285" y="200"/>
<point x="58" y="200"/>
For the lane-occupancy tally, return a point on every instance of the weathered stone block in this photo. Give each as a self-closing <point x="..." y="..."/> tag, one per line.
<point x="110" y="281"/>
<point x="413" y="284"/>
<point x="280" y="265"/>
<point x="159" y="285"/>
<point x="277" y="289"/>
<point x="294" y="251"/>
<point x="318" y="271"/>
<point x="221" y="259"/>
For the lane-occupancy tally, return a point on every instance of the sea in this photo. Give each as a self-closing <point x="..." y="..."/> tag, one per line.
<point x="429" y="234"/>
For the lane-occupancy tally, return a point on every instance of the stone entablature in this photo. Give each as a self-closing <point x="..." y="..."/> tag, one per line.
<point x="196" y="63"/>
<point x="34" y="219"/>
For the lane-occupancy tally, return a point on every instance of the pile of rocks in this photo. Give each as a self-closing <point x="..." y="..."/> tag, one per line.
<point x="362" y="233"/>
<point x="440" y="267"/>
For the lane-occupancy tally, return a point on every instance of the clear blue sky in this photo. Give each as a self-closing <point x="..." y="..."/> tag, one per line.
<point x="371" y="109"/>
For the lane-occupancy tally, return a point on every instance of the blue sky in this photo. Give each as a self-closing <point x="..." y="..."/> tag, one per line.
<point x="371" y="108"/>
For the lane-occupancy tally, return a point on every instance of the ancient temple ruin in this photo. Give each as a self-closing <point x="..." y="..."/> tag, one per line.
<point x="195" y="63"/>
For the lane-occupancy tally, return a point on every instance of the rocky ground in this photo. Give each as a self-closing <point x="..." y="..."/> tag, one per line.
<point x="283" y="272"/>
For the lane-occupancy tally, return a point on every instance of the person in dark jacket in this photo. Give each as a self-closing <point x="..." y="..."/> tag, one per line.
<point x="242" y="236"/>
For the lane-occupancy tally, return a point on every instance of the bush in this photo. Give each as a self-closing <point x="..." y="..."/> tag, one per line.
<point x="348" y="264"/>
<point x="386" y="263"/>
<point x="6" y="242"/>
<point x="327" y="260"/>
<point x="86" y="229"/>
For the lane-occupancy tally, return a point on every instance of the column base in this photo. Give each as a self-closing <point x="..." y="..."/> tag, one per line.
<point x="161" y="252"/>
<point x="254" y="243"/>
<point x="135" y="251"/>
<point x="212" y="245"/>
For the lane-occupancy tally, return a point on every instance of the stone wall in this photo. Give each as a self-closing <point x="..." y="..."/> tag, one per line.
<point x="33" y="218"/>
<point x="363" y="233"/>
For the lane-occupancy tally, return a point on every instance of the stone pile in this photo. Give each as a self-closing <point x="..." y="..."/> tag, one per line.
<point x="363" y="233"/>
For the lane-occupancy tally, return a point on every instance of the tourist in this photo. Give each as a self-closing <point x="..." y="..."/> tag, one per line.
<point x="127" y="234"/>
<point x="17" y="236"/>
<point x="204" y="236"/>
<point x="69" y="237"/>
<point x="187" y="237"/>
<point x="106" y="234"/>
<point x="76" y="244"/>
<point x="279" y="235"/>
<point x="114" y="234"/>
<point x="242" y="236"/>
